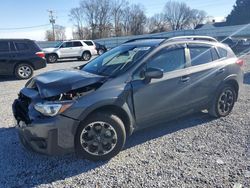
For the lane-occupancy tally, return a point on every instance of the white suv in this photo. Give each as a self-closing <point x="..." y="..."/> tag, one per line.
<point x="81" y="49"/>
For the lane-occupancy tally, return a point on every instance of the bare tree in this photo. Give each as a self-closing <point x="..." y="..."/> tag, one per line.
<point x="104" y="17"/>
<point x="134" y="19"/>
<point x="90" y="11"/>
<point x="138" y="19"/>
<point x="85" y="33"/>
<point x="126" y="21"/>
<point x="49" y="35"/>
<point x="157" y="24"/>
<point x="77" y="17"/>
<point x="59" y="33"/>
<point x="199" y="16"/>
<point x="181" y="16"/>
<point x="117" y="15"/>
<point x="97" y="15"/>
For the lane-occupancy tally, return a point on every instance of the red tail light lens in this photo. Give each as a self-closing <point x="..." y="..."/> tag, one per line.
<point x="240" y="62"/>
<point x="41" y="54"/>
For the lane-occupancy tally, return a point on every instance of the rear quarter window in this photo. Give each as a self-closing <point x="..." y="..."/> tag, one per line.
<point x="222" y="52"/>
<point x="200" y="55"/>
<point x="4" y="46"/>
<point x="89" y="43"/>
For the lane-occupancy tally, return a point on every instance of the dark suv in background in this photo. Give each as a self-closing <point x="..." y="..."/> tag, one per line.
<point x="141" y="83"/>
<point x="20" y="57"/>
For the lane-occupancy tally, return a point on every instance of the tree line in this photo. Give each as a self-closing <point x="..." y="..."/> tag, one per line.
<point x="107" y="18"/>
<point x="94" y="19"/>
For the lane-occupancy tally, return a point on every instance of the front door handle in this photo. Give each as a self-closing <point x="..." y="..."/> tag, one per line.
<point x="185" y="78"/>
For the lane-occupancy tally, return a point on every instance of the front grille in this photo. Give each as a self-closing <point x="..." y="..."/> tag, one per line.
<point x="21" y="108"/>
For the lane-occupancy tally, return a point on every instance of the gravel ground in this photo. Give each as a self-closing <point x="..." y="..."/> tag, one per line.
<point x="195" y="151"/>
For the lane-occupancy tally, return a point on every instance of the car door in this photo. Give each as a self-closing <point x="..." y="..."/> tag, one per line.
<point x="77" y="46"/>
<point x="161" y="99"/>
<point x="206" y="72"/>
<point x="66" y="50"/>
<point x="4" y="58"/>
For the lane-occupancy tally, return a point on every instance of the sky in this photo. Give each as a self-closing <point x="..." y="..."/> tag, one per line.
<point x="28" y="13"/>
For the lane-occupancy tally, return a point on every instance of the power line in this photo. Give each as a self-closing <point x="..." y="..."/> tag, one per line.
<point x="29" y="27"/>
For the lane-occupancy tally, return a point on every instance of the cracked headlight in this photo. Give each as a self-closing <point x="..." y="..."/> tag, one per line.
<point x="52" y="108"/>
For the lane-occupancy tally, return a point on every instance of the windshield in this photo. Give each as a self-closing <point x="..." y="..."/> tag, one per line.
<point x="115" y="60"/>
<point x="58" y="44"/>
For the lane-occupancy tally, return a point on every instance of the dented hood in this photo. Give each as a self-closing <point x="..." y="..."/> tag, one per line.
<point x="61" y="81"/>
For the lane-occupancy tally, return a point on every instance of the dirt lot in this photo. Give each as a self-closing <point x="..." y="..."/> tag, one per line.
<point x="195" y="151"/>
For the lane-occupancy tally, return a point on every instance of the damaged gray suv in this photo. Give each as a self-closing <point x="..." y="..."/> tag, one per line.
<point x="141" y="83"/>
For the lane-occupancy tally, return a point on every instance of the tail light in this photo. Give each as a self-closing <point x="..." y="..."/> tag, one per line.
<point x="41" y="54"/>
<point x="240" y="62"/>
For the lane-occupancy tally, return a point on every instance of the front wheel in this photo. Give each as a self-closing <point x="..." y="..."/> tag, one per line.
<point x="224" y="102"/>
<point x="100" y="137"/>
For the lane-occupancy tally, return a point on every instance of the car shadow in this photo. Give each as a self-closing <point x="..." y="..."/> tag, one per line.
<point x="7" y="78"/>
<point x="67" y="60"/>
<point x="247" y="78"/>
<point x="150" y="133"/>
<point x="27" y="169"/>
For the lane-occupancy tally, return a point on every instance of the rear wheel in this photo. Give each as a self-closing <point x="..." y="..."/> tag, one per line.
<point x="52" y="58"/>
<point x="224" y="102"/>
<point x="100" y="137"/>
<point x="100" y="51"/>
<point x="23" y="71"/>
<point x="86" y="56"/>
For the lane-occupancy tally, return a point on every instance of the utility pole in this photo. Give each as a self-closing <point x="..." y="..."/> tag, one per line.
<point x="52" y="20"/>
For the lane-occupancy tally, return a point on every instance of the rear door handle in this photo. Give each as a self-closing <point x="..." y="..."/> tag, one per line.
<point x="221" y="70"/>
<point x="185" y="78"/>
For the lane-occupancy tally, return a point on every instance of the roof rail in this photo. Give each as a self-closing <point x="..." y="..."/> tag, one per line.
<point x="145" y="38"/>
<point x="194" y="37"/>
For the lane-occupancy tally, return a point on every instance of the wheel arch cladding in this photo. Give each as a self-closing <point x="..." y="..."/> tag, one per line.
<point x="235" y="85"/>
<point x="119" y="111"/>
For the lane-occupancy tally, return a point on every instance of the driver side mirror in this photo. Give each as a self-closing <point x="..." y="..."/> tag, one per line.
<point x="151" y="73"/>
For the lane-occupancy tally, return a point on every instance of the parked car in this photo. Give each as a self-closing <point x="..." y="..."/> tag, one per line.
<point x="100" y="48"/>
<point x="83" y="50"/>
<point x="20" y="57"/>
<point x="140" y="83"/>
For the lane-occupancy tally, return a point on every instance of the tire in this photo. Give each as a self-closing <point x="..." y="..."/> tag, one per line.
<point x="86" y="56"/>
<point x="24" y="71"/>
<point x="100" y="51"/>
<point x="100" y="137"/>
<point x="52" y="58"/>
<point x="224" y="101"/>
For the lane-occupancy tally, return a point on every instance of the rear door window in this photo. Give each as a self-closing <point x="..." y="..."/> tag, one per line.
<point x="22" y="46"/>
<point x="4" y="46"/>
<point x="168" y="59"/>
<point x="77" y="44"/>
<point x="200" y="55"/>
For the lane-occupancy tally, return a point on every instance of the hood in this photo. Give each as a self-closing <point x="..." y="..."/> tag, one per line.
<point x="49" y="50"/>
<point x="61" y="81"/>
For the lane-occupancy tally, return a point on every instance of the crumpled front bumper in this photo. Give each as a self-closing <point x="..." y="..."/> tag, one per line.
<point x="51" y="135"/>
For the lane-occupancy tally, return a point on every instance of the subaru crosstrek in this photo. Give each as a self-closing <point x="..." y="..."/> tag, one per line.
<point x="141" y="83"/>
